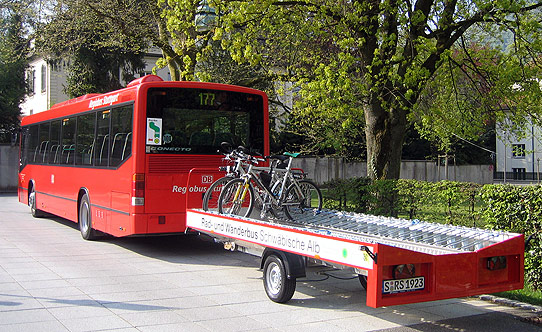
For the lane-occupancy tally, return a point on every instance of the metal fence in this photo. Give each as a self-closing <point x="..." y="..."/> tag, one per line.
<point x="321" y="170"/>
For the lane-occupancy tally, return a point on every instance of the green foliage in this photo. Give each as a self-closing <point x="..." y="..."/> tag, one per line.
<point x="363" y="68"/>
<point x="514" y="208"/>
<point x="518" y="209"/>
<point x="348" y="195"/>
<point x="327" y="134"/>
<point x="363" y="195"/>
<point x="445" y="201"/>
<point x="478" y="84"/>
<point x="188" y="41"/>
<point x="385" y="200"/>
<point x="100" y="39"/>
<point x="412" y="195"/>
<point x="97" y="70"/>
<point x="13" y="51"/>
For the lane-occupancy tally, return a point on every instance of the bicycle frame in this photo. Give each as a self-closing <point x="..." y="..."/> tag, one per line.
<point x="269" y="196"/>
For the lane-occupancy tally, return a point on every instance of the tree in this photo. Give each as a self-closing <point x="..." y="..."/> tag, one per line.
<point x="125" y="26"/>
<point x="219" y="67"/>
<point x="13" y="48"/>
<point x="378" y="57"/>
<point x="95" y="49"/>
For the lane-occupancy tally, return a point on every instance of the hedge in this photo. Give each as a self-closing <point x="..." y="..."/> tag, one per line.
<point x="504" y="207"/>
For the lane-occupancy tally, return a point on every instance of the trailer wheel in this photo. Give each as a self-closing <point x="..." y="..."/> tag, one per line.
<point x="363" y="281"/>
<point x="278" y="286"/>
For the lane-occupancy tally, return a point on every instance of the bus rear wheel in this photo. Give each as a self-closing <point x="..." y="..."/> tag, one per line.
<point x="85" y="219"/>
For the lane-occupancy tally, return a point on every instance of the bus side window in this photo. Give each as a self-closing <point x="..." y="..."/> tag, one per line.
<point x="101" y="145"/>
<point x="33" y="144"/>
<point x="68" y="141"/>
<point x="85" y="139"/>
<point x="41" y="152"/>
<point x="54" y="146"/>
<point x="121" y="134"/>
<point x="25" y="141"/>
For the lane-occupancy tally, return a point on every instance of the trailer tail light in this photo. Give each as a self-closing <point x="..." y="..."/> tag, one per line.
<point x="496" y="263"/>
<point x="138" y="189"/>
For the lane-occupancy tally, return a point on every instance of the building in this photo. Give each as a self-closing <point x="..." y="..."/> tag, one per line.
<point x="46" y="82"/>
<point x="519" y="156"/>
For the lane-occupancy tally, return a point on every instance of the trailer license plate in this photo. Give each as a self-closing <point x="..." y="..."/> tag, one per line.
<point x="403" y="285"/>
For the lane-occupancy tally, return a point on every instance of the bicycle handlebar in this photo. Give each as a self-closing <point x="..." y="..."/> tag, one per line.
<point x="241" y="153"/>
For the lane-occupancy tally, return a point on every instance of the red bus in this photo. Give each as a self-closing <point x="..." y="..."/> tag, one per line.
<point x="119" y="162"/>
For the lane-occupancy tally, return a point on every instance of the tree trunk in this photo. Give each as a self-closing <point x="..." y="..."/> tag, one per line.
<point x="385" y="131"/>
<point x="174" y="71"/>
<point x="162" y="41"/>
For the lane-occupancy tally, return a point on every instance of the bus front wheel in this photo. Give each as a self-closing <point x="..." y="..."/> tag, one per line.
<point x="85" y="219"/>
<point x="36" y="213"/>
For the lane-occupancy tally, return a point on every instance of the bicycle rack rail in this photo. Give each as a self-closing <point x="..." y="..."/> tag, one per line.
<point x="408" y="234"/>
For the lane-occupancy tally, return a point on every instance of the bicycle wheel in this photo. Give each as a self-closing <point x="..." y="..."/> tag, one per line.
<point x="210" y="199"/>
<point x="236" y="198"/>
<point x="302" y="198"/>
<point x="273" y="209"/>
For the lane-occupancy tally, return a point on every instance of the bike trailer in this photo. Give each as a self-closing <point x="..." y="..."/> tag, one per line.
<point x="398" y="261"/>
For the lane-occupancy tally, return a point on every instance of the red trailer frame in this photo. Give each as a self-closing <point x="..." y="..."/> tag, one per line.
<point x="495" y="268"/>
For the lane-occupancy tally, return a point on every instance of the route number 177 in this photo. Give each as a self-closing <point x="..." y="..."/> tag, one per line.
<point x="206" y="99"/>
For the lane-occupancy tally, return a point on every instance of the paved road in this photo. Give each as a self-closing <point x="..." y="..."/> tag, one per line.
<point x="52" y="280"/>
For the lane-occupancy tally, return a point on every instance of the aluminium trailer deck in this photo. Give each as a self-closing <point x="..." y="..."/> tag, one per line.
<point x="404" y="261"/>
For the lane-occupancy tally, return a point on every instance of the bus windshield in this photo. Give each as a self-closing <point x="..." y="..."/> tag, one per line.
<point x="197" y="121"/>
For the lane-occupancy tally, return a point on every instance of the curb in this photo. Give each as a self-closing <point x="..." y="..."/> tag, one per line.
<point x="510" y="303"/>
<point x="537" y="310"/>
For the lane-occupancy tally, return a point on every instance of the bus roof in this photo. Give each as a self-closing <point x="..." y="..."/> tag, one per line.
<point x="95" y="100"/>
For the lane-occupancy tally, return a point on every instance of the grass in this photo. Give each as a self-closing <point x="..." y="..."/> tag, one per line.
<point x="526" y="295"/>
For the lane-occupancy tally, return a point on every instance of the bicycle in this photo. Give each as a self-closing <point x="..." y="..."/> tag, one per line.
<point x="291" y="193"/>
<point x="239" y="158"/>
<point x="210" y="199"/>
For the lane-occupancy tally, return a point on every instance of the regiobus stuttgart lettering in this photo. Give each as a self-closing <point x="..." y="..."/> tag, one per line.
<point x="205" y="179"/>
<point x="192" y="189"/>
<point x="106" y="100"/>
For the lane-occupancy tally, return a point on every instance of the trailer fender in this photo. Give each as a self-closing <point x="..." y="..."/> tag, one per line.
<point x="294" y="264"/>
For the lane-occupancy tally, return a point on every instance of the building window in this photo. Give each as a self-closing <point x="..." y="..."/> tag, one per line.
<point x="31" y="81"/>
<point x="43" y="78"/>
<point x="518" y="151"/>
<point x="519" y="173"/>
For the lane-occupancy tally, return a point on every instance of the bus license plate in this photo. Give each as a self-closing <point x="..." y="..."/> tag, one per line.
<point x="403" y="285"/>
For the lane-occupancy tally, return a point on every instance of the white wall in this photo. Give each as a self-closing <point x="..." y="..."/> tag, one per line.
<point x="531" y="139"/>
<point x="9" y="163"/>
<point x="322" y="170"/>
<point x="39" y="99"/>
